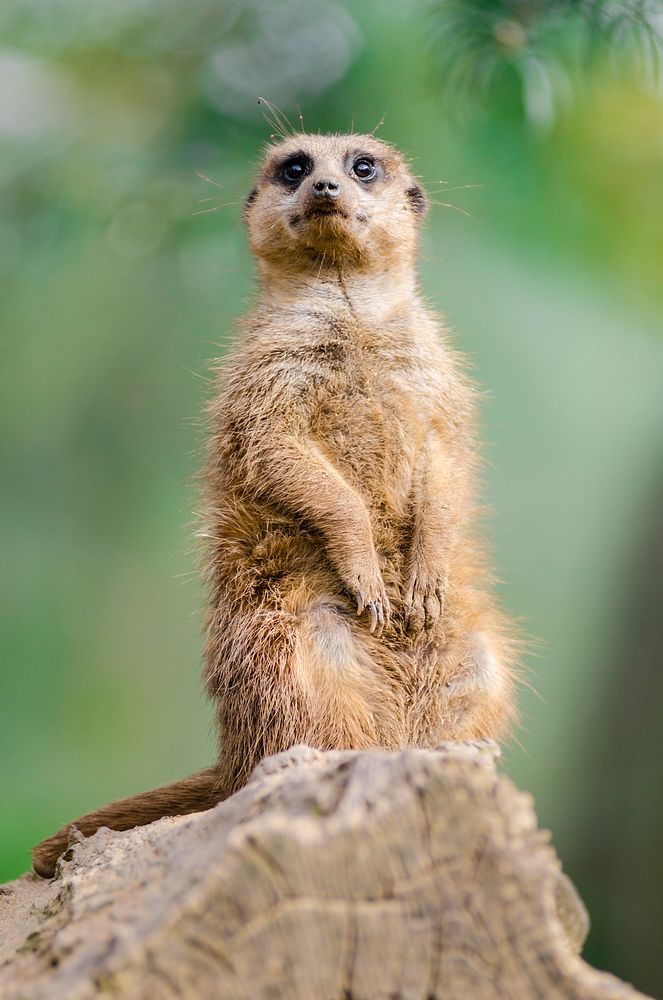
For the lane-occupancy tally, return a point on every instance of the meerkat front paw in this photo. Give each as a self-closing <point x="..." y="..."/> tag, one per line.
<point x="368" y="590"/>
<point x="424" y="600"/>
<point x="359" y="569"/>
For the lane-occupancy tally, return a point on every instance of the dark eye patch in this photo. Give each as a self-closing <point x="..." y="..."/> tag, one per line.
<point x="364" y="167"/>
<point x="292" y="171"/>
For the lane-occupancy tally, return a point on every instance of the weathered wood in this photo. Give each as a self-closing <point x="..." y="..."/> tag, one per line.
<point x="418" y="874"/>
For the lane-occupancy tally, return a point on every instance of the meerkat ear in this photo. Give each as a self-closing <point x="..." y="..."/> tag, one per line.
<point x="252" y="195"/>
<point x="416" y="196"/>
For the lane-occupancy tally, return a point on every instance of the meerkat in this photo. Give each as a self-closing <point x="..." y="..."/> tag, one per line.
<point x="350" y="604"/>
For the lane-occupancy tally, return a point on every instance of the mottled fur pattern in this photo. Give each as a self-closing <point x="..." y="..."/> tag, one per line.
<point x="350" y="604"/>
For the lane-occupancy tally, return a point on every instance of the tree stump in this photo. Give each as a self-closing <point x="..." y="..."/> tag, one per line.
<point x="365" y="875"/>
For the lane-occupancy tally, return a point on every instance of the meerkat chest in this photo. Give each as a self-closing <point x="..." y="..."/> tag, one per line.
<point x="361" y="392"/>
<point x="372" y="412"/>
<point x="375" y="382"/>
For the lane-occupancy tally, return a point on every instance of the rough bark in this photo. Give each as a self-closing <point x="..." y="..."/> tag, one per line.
<point x="418" y="874"/>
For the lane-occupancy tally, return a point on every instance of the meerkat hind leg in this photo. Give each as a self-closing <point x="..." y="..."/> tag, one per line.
<point x="340" y="678"/>
<point x="478" y="693"/>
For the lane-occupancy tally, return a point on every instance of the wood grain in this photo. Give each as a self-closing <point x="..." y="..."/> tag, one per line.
<point x="366" y="875"/>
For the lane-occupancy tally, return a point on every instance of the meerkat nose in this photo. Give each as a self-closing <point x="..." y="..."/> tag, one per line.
<point x="326" y="189"/>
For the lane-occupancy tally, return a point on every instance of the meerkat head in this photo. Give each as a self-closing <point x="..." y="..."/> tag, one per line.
<point x="346" y="200"/>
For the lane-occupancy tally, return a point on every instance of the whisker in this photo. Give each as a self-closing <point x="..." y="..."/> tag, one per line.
<point x="216" y="208"/>
<point x="447" y="204"/>
<point x="280" y="132"/>
<point x="379" y="124"/>
<point x="206" y="211"/>
<point x="209" y="180"/>
<point x="279" y="120"/>
<point x="456" y="187"/>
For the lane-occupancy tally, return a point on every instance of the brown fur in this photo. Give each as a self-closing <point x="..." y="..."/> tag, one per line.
<point x="193" y="794"/>
<point x="349" y="601"/>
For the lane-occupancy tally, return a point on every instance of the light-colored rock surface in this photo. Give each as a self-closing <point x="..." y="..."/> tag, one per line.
<point x="331" y="876"/>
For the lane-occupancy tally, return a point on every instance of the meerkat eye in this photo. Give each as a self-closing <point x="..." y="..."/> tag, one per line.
<point x="364" y="168"/>
<point x="295" y="169"/>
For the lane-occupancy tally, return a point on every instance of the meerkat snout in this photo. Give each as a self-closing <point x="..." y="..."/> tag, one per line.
<point x="326" y="189"/>
<point x="325" y="196"/>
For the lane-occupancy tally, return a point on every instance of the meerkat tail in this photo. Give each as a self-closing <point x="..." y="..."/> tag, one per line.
<point x="196" y="793"/>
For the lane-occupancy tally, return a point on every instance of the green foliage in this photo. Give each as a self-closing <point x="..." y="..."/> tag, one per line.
<point x="541" y="51"/>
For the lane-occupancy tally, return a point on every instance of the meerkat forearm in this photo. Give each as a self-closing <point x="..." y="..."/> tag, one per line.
<point x="435" y="514"/>
<point x="298" y="476"/>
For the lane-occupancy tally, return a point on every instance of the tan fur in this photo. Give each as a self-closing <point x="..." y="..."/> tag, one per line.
<point x="349" y="600"/>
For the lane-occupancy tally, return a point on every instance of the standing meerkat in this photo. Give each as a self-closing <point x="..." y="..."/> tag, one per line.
<point x="349" y="602"/>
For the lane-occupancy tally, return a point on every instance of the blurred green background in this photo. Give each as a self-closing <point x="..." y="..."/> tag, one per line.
<point x="121" y="270"/>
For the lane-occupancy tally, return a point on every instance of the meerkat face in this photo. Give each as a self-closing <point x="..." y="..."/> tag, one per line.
<point x="342" y="199"/>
